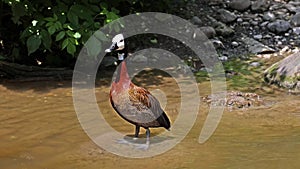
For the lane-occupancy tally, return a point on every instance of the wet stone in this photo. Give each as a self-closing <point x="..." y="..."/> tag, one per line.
<point x="259" y="5"/>
<point x="239" y="20"/>
<point x="296" y="30"/>
<point x="258" y="37"/>
<point x="255" y="64"/>
<point x="295" y="20"/>
<point x="235" y="44"/>
<point x="226" y="16"/>
<point x="279" y="26"/>
<point x="269" y="16"/>
<point x="196" y="20"/>
<point x="208" y="31"/>
<point x="240" y="5"/>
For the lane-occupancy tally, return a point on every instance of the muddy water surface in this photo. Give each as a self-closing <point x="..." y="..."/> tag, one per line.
<point x="40" y="129"/>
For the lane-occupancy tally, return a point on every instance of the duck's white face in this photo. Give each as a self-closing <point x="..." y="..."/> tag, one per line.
<point x="117" y="43"/>
<point x="119" y="40"/>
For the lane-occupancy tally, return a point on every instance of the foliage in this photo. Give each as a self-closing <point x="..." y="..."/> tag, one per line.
<point x="60" y="28"/>
<point x="241" y="75"/>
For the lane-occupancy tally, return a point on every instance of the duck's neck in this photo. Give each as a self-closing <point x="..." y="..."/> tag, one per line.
<point x="122" y="73"/>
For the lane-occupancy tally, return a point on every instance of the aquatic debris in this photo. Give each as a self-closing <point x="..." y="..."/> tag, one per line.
<point x="234" y="99"/>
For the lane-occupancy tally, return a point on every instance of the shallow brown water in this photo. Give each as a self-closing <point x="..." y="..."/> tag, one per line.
<point x="40" y="129"/>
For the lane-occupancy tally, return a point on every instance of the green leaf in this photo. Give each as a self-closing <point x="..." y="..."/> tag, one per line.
<point x="65" y="44"/>
<point x="49" y="24"/>
<point x="101" y="36"/>
<point x="73" y="18"/>
<point x="97" y="25"/>
<point x="116" y="27"/>
<point x="62" y="18"/>
<point x="71" y="48"/>
<point x="112" y="16"/>
<point x="33" y="43"/>
<point x="55" y="17"/>
<point x="60" y="35"/>
<point x="46" y="38"/>
<point x="18" y="10"/>
<point x="93" y="46"/>
<point x="103" y="5"/>
<point x="82" y="12"/>
<point x="114" y="10"/>
<point x="49" y="19"/>
<point x="72" y="40"/>
<point x="70" y="33"/>
<point x="58" y="25"/>
<point x="52" y="29"/>
<point x="95" y="8"/>
<point x="104" y="12"/>
<point x="26" y="33"/>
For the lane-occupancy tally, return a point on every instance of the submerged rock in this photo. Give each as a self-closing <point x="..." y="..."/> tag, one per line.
<point x="234" y="99"/>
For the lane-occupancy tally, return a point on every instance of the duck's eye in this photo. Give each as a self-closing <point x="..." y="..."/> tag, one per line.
<point x="122" y="40"/>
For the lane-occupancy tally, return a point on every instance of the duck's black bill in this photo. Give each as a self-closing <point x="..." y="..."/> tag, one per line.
<point x="112" y="48"/>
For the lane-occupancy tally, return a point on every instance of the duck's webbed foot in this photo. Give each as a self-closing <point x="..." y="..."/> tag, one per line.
<point x="135" y="142"/>
<point x="147" y="144"/>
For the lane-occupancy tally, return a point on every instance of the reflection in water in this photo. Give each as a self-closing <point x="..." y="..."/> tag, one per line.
<point x="39" y="129"/>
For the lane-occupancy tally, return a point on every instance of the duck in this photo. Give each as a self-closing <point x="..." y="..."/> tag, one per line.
<point x="134" y="104"/>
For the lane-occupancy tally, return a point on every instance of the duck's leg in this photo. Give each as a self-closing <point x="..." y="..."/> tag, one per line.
<point x="147" y="144"/>
<point x="137" y="131"/>
<point x="147" y="136"/>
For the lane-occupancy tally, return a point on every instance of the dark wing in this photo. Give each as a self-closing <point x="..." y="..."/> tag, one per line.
<point x="148" y="104"/>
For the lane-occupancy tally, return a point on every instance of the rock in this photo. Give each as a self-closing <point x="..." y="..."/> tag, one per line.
<point x="254" y="46"/>
<point x="279" y="26"/>
<point x="254" y="23"/>
<point x="221" y="28"/>
<point x="264" y="24"/>
<point x="293" y="7"/>
<point x="196" y="20"/>
<point x="208" y="31"/>
<point x="223" y="58"/>
<point x="269" y="16"/>
<point x="240" y="5"/>
<point x="295" y="20"/>
<point x="199" y="35"/>
<point x="259" y="5"/>
<point x="255" y="64"/>
<point x="258" y="37"/>
<point x="285" y="73"/>
<point x="215" y="2"/>
<point x="245" y="23"/>
<point x="225" y="16"/>
<point x="240" y="20"/>
<point x="224" y="31"/>
<point x="235" y="44"/>
<point x="296" y="30"/>
<point x="218" y="44"/>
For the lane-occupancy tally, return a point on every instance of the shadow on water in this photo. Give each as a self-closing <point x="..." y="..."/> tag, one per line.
<point x="104" y="78"/>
